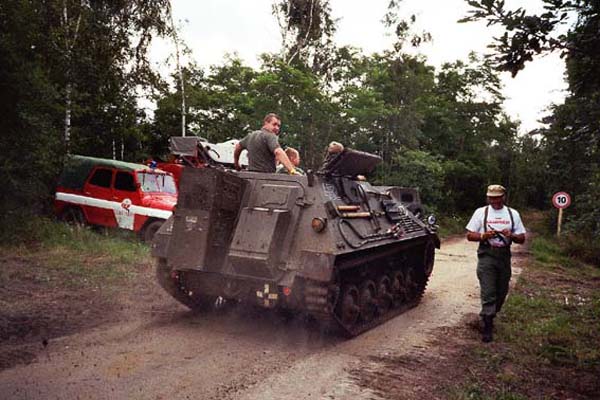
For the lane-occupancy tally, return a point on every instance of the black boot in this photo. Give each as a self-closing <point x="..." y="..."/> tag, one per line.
<point x="488" y="329"/>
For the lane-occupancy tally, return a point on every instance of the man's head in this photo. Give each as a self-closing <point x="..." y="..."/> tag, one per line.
<point x="272" y="123"/>
<point x="293" y="155"/>
<point x="335" y="147"/>
<point x="495" y="196"/>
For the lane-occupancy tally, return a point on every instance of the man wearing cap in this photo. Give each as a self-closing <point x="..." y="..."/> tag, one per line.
<point x="495" y="227"/>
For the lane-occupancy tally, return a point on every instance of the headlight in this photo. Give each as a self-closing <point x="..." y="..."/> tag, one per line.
<point x="431" y="220"/>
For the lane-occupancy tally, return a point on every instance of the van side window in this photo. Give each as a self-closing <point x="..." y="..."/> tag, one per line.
<point x="101" y="177"/>
<point x="124" y="181"/>
<point x="406" y="198"/>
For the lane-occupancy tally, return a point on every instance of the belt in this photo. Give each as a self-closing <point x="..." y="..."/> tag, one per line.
<point x="489" y="246"/>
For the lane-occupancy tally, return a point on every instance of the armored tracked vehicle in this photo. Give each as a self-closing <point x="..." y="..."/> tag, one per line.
<point x="328" y="244"/>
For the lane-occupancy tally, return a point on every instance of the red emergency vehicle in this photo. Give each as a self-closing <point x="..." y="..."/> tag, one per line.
<point x="113" y="193"/>
<point x="197" y="152"/>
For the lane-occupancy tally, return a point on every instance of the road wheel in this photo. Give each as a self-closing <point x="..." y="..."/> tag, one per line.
<point x="150" y="230"/>
<point x="411" y="284"/>
<point x="170" y="281"/>
<point x="397" y="288"/>
<point x="384" y="295"/>
<point x="368" y="304"/>
<point x="347" y="309"/>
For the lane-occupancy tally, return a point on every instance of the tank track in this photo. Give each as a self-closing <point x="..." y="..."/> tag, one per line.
<point x="174" y="284"/>
<point x="358" y="299"/>
<point x="329" y="303"/>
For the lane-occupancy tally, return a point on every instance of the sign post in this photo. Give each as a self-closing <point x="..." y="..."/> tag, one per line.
<point x="560" y="200"/>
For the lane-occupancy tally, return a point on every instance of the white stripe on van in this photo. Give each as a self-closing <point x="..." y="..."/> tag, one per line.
<point x="124" y="211"/>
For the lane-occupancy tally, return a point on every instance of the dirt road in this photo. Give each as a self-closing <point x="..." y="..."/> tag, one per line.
<point x="170" y="353"/>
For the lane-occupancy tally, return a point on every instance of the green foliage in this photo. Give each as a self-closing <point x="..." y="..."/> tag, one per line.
<point x="418" y="169"/>
<point x="441" y="131"/>
<point x="444" y="133"/>
<point x="526" y="35"/>
<point x="87" y="58"/>
<point x="231" y="100"/>
<point x="30" y="138"/>
<point x="553" y="329"/>
<point x="546" y="250"/>
<point x="381" y="100"/>
<point x="475" y="391"/>
<point x="580" y="247"/>
<point x="568" y="156"/>
<point x="571" y="249"/>
<point x="553" y="323"/>
<point x="452" y="224"/>
<point x="307" y="30"/>
<point x="463" y="182"/>
<point x="529" y="173"/>
<point x="585" y="222"/>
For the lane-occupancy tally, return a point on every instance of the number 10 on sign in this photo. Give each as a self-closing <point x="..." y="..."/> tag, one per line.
<point x="560" y="200"/>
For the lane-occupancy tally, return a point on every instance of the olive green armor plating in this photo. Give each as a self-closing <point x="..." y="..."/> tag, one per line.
<point x="327" y="244"/>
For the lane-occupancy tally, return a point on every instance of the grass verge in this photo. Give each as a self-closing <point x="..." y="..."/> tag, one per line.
<point x="56" y="279"/>
<point x="79" y="256"/>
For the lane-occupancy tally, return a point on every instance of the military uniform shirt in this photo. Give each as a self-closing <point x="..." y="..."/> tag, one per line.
<point x="261" y="147"/>
<point x="283" y="170"/>
<point x="497" y="220"/>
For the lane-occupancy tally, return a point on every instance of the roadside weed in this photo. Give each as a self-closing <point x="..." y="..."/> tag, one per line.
<point x="452" y="225"/>
<point x="81" y="256"/>
<point x="475" y="391"/>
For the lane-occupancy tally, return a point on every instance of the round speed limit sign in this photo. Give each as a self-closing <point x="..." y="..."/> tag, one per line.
<point x="561" y="200"/>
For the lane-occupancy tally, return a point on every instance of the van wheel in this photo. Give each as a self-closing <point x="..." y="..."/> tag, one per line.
<point x="150" y="230"/>
<point x="73" y="216"/>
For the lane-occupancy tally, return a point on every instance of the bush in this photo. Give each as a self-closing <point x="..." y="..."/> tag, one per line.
<point x="22" y="227"/>
<point x="420" y="170"/>
<point x="452" y="224"/>
<point x="581" y="248"/>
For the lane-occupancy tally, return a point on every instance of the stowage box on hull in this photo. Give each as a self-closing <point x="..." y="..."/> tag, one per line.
<point x="328" y="244"/>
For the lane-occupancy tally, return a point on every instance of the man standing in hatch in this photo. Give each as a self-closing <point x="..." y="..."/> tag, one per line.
<point x="263" y="148"/>
<point x="495" y="227"/>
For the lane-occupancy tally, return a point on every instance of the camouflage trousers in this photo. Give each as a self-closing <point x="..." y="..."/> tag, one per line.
<point x="493" y="272"/>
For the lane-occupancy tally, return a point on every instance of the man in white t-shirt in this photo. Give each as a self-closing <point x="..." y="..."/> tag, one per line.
<point x="495" y="227"/>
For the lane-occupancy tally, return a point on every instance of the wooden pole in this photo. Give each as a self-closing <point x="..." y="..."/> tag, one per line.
<point x="560" y="213"/>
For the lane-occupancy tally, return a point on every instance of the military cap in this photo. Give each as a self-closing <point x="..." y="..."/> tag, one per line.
<point x="495" y="191"/>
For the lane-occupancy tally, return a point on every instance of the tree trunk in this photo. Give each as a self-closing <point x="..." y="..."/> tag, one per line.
<point x="68" y="117"/>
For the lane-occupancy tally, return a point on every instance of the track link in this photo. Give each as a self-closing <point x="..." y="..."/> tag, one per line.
<point x="331" y="304"/>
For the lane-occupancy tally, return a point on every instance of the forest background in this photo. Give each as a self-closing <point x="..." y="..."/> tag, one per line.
<point x="72" y="72"/>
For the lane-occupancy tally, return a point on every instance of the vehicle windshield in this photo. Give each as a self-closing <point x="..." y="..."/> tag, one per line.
<point x="153" y="182"/>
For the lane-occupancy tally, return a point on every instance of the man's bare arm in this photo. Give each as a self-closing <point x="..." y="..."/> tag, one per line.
<point x="236" y="156"/>
<point x="520" y="239"/>
<point x="479" y="237"/>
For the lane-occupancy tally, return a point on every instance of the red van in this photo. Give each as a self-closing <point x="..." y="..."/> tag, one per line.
<point x="113" y="193"/>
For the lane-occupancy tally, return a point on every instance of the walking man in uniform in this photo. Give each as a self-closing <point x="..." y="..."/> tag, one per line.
<point x="263" y="148"/>
<point x="495" y="227"/>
